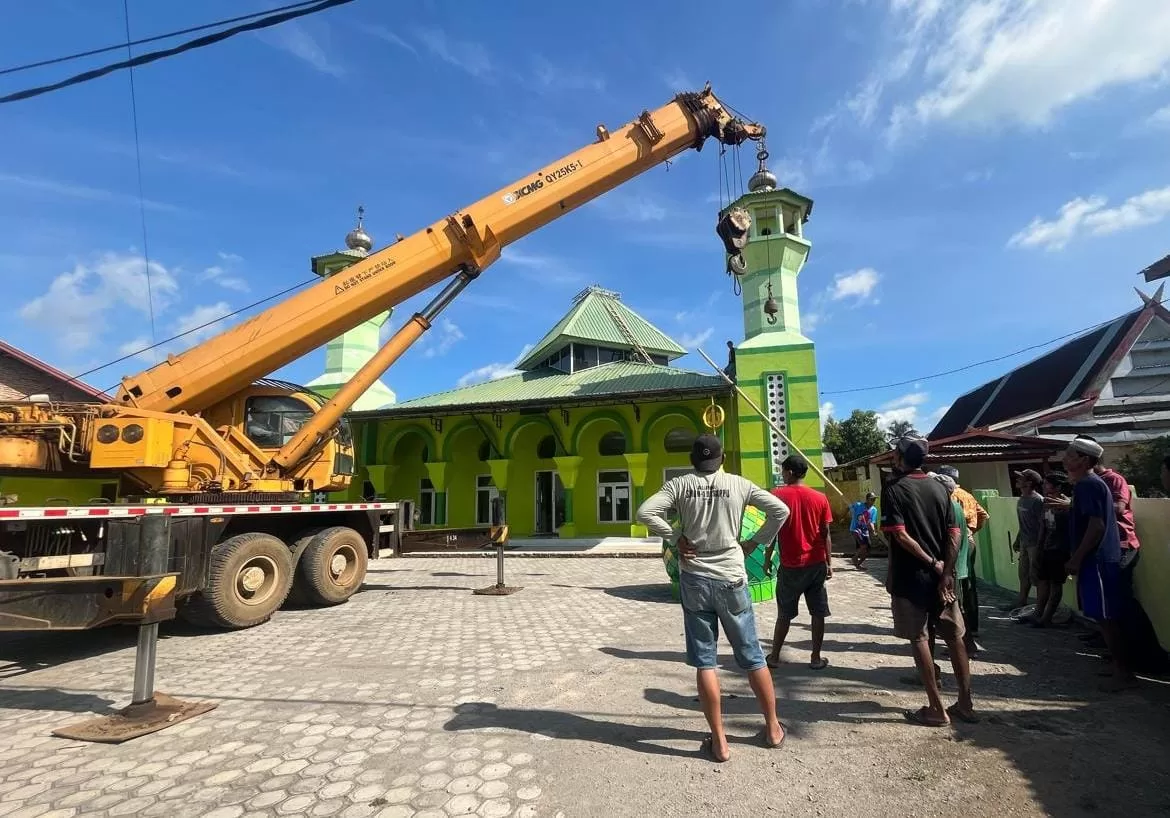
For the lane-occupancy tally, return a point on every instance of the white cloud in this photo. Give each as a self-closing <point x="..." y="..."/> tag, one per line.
<point x="975" y="176"/>
<point x="904" y="408"/>
<point x="383" y="33"/>
<point x="230" y="258"/>
<point x="1081" y="216"/>
<point x="65" y="190"/>
<point x="697" y="339"/>
<point x="296" y="40"/>
<point x="447" y="335"/>
<point x="542" y="268"/>
<point x="549" y="77"/>
<point x="809" y="321"/>
<point x="201" y="323"/>
<point x="827" y="409"/>
<point x="912" y="399"/>
<point x="996" y="62"/>
<point x="223" y="278"/>
<point x="494" y="371"/>
<point x="78" y="305"/>
<point x="628" y="207"/>
<point x="677" y="80"/>
<point x="699" y="312"/>
<point x="1160" y="119"/>
<point x="858" y="285"/>
<point x="465" y="55"/>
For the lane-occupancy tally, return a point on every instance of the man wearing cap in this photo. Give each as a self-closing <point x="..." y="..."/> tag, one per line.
<point x="1097" y="555"/>
<point x="713" y="581"/>
<point x="1030" y="513"/>
<point x="975" y="516"/>
<point x="919" y="520"/>
<point x="862" y="526"/>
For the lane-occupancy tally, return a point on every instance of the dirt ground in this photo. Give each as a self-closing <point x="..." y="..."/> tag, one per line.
<point x="569" y="698"/>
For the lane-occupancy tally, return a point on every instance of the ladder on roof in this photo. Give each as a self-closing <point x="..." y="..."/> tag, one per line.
<point x="624" y="328"/>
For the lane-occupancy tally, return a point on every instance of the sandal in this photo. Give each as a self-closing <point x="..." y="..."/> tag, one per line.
<point x="820" y="664"/>
<point x="707" y="749"/>
<point x="772" y="663"/>
<point x="778" y="744"/>
<point x="921" y="718"/>
<point x="968" y="717"/>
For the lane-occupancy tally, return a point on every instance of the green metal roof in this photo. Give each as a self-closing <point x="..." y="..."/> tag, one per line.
<point x="590" y="321"/>
<point x="548" y="385"/>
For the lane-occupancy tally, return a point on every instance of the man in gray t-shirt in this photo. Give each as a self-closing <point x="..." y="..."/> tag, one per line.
<point x="712" y="578"/>
<point x="1030" y="514"/>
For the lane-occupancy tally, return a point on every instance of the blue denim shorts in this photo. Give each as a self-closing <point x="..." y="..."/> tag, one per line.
<point x="708" y="602"/>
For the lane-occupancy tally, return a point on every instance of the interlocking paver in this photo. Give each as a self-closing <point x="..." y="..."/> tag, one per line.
<point x="419" y="698"/>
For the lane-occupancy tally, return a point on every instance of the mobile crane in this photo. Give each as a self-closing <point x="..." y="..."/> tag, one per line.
<point x="233" y="456"/>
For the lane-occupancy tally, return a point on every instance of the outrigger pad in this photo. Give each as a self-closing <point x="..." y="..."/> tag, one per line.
<point x="497" y="590"/>
<point x="135" y="720"/>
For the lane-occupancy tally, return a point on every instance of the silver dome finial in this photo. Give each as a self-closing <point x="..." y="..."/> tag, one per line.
<point x="358" y="239"/>
<point x="763" y="179"/>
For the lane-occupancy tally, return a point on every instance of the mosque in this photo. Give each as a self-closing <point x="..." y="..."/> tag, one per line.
<point x="598" y="416"/>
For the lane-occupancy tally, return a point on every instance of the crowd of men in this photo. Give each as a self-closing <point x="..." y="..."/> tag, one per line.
<point x="1078" y="522"/>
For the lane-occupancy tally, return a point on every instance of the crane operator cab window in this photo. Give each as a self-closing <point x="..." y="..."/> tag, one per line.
<point x="272" y="420"/>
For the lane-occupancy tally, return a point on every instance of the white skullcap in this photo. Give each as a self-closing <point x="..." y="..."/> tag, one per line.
<point x="1086" y="446"/>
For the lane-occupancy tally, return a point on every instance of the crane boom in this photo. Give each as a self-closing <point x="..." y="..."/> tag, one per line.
<point x="470" y="239"/>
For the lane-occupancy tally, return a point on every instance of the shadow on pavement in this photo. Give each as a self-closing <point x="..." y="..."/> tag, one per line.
<point x="557" y="724"/>
<point x="647" y="592"/>
<point x="51" y="698"/>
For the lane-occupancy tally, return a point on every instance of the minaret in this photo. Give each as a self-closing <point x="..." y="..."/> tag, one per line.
<point x="347" y="353"/>
<point x="775" y="363"/>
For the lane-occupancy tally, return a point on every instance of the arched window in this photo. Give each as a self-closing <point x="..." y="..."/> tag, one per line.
<point x="611" y="443"/>
<point x="485" y="450"/>
<point x="546" y="449"/>
<point x="679" y="439"/>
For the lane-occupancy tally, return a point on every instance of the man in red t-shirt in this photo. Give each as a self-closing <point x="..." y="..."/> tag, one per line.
<point x="805" y="564"/>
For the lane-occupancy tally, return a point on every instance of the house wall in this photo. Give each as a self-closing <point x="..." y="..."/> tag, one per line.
<point x="19" y="380"/>
<point x="997" y="563"/>
<point x="394" y="455"/>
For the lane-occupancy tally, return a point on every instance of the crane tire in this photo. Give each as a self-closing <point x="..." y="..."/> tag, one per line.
<point x="333" y="566"/>
<point x="248" y="579"/>
<point x="296" y="595"/>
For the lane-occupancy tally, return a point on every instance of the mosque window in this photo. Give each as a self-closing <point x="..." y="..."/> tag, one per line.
<point x="612" y="444"/>
<point x="679" y="440"/>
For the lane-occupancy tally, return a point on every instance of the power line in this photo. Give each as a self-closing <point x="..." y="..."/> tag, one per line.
<point x="966" y="367"/>
<point x="153" y="56"/>
<point x="106" y="49"/>
<point x="138" y="164"/>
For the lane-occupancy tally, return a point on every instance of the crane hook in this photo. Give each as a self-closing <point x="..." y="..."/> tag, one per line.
<point x="771" y="308"/>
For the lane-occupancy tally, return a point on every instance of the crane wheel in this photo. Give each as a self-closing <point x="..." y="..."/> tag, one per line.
<point x="248" y="579"/>
<point x="333" y="566"/>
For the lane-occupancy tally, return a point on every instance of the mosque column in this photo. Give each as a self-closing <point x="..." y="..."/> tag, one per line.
<point x="636" y="463"/>
<point x="437" y="473"/>
<point x="567" y="468"/>
<point x="499" y="472"/>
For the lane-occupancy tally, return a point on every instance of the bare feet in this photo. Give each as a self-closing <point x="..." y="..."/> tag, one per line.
<point x="719" y="753"/>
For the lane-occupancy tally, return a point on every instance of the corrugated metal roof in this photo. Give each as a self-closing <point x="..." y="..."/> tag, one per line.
<point x="589" y="321"/>
<point x="1063" y="374"/>
<point x="547" y="384"/>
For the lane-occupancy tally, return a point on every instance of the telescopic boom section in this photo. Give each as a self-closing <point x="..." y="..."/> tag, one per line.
<point x="469" y="239"/>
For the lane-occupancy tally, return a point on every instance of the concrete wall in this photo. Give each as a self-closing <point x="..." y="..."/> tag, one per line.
<point x="997" y="563"/>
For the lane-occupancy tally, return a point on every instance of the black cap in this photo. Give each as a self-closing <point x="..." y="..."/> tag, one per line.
<point x="1031" y="475"/>
<point x="869" y="495"/>
<point x="707" y="454"/>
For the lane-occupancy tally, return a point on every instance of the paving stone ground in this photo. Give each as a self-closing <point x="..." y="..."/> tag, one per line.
<point x="569" y="698"/>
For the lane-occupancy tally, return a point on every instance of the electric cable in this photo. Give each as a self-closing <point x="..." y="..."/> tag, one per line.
<point x="138" y="165"/>
<point x="106" y="49"/>
<point x="975" y="364"/>
<point x="202" y="326"/>
<point x="153" y="56"/>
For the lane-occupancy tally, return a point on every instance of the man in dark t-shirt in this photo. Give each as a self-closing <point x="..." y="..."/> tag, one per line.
<point x="920" y="523"/>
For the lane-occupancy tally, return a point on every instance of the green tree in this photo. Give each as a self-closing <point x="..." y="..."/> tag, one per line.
<point x="897" y="428"/>
<point x="855" y="437"/>
<point x="1142" y="467"/>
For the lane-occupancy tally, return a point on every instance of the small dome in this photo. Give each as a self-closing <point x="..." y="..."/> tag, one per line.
<point x="358" y="238"/>
<point x="762" y="179"/>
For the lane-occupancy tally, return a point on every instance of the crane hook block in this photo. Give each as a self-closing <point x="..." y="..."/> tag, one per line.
<point x="733" y="228"/>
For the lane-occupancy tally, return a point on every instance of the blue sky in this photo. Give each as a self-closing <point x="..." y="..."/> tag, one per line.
<point x="987" y="175"/>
